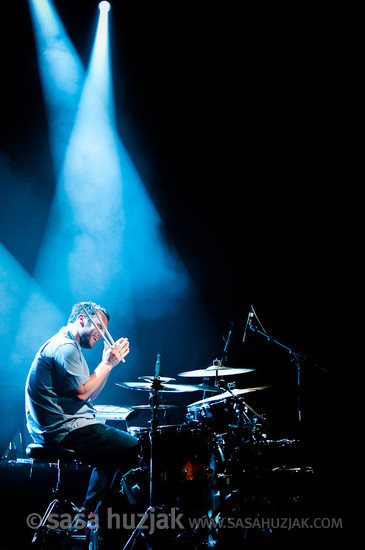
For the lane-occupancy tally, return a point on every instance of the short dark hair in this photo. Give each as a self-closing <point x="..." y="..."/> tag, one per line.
<point x="77" y="309"/>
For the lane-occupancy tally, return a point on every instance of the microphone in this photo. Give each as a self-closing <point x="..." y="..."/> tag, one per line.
<point x="248" y="323"/>
<point x="157" y="366"/>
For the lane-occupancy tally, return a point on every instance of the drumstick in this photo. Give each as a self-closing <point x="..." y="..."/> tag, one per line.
<point x="102" y="324"/>
<point x="104" y="327"/>
<point x="97" y="328"/>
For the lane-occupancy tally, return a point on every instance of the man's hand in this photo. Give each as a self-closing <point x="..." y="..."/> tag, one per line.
<point x="116" y="353"/>
<point x="111" y="357"/>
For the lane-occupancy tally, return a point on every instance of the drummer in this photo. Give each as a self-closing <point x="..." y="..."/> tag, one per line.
<point x="59" y="394"/>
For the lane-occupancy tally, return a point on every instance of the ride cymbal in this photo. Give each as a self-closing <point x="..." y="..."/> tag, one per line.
<point x="215" y="370"/>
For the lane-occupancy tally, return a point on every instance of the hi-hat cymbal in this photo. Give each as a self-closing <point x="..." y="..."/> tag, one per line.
<point x="160" y="378"/>
<point x="215" y="370"/>
<point x="226" y="395"/>
<point x="166" y="388"/>
<point x="148" y="407"/>
<point x="190" y="387"/>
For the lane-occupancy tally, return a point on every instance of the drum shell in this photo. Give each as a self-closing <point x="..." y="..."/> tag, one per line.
<point x="215" y="416"/>
<point x="183" y="460"/>
<point x="267" y="467"/>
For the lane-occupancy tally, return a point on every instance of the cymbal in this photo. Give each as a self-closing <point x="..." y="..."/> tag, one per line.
<point x="206" y="387"/>
<point x="227" y="395"/>
<point x="188" y="387"/>
<point x="215" y="370"/>
<point x="161" y="378"/>
<point x="166" y="388"/>
<point x="148" y="407"/>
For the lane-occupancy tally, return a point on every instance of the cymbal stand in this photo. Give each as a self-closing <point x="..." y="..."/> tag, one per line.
<point x="153" y="399"/>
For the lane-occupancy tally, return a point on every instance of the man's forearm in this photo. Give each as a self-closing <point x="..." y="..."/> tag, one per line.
<point x="95" y="383"/>
<point x="98" y="390"/>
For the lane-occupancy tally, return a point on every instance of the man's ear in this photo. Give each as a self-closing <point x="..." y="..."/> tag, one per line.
<point x="81" y="319"/>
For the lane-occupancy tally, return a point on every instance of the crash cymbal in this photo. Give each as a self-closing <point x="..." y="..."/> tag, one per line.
<point x="206" y="387"/>
<point x="166" y="388"/>
<point x="226" y="395"/>
<point x="215" y="370"/>
<point x="148" y="407"/>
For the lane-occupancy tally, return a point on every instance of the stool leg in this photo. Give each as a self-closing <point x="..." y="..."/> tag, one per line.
<point x="58" y="506"/>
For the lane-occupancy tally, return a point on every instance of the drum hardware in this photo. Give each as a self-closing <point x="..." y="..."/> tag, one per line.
<point x="154" y="386"/>
<point x="129" y="489"/>
<point x="297" y="359"/>
<point x="217" y="369"/>
<point x="241" y="405"/>
<point x="227" y="412"/>
<point x="244" y="459"/>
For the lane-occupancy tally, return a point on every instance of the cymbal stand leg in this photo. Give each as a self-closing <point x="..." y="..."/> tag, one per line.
<point x="138" y="530"/>
<point x="154" y="407"/>
<point x="132" y="539"/>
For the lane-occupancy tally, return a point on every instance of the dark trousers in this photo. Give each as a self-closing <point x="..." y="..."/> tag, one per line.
<point x="110" y="451"/>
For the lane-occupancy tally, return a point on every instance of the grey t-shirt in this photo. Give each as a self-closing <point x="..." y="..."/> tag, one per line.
<point x="52" y="408"/>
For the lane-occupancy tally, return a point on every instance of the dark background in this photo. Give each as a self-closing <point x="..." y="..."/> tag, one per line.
<point x="231" y="116"/>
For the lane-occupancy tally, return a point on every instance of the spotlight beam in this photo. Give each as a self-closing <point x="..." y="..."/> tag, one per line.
<point x="61" y="73"/>
<point x="104" y="6"/>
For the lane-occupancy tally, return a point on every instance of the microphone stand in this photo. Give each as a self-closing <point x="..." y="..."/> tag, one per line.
<point x="221" y="361"/>
<point x="224" y="353"/>
<point x="296" y="359"/>
<point x="222" y="384"/>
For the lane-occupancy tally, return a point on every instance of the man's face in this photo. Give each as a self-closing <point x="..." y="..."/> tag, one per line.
<point x="88" y="333"/>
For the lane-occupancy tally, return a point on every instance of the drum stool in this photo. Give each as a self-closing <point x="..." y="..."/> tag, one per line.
<point x="60" y="504"/>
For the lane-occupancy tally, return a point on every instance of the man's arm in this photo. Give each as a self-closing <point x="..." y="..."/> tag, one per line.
<point x="96" y="380"/>
<point x="111" y="358"/>
<point x="98" y="390"/>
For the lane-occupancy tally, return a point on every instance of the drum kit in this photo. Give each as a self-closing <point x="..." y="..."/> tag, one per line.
<point x="219" y="463"/>
<point x="220" y="449"/>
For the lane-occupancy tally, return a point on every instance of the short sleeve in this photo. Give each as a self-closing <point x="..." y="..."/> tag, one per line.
<point x="71" y="367"/>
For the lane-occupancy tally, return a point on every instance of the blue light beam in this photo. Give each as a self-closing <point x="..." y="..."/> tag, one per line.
<point x="27" y="317"/>
<point x="104" y="238"/>
<point x="61" y="72"/>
